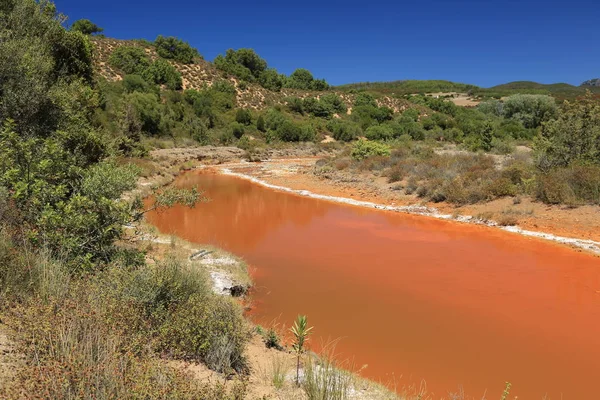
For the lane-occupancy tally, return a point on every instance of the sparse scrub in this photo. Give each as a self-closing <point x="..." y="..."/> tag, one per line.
<point x="324" y="379"/>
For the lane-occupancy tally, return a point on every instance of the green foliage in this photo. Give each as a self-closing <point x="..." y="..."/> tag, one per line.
<point x="288" y="131"/>
<point x="295" y="104"/>
<point x="175" y="49"/>
<point x="242" y="63"/>
<point x="146" y="110"/>
<point x="86" y="27"/>
<point x="270" y="79"/>
<point x="237" y="129"/>
<point x="574" y="137"/>
<point x="163" y="73"/>
<point x="130" y="60"/>
<point x="301" y="331"/>
<point x="243" y="116"/>
<point x="345" y="131"/>
<point x="334" y="102"/>
<point x="379" y="132"/>
<point x="531" y="110"/>
<point x="303" y="79"/>
<point x="364" y="149"/>
<point x="207" y="329"/>
<point x="365" y="99"/>
<point x="260" y="124"/>
<point x="272" y="340"/>
<point x="135" y="83"/>
<point x="411" y="86"/>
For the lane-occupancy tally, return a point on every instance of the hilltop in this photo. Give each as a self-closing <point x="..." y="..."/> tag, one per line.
<point x="201" y="74"/>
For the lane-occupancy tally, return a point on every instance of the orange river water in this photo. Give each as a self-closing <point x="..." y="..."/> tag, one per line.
<point x="415" y="298"/>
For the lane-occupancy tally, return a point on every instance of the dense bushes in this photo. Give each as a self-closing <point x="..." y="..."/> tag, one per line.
<point x="248" y="66"/>
<point x="134" y="60"/>
<point x="175" y="49"/>
<point x="363" y="149"/>
<point x="130" y="60"/>
<point x="86" y="27"/>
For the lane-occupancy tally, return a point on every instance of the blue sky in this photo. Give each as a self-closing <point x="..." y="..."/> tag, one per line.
<point x="481" y="42"/>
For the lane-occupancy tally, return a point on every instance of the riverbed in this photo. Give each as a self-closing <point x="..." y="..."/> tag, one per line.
<point x="415" y="298"/>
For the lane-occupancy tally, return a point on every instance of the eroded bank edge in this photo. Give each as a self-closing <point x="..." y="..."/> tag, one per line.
<point x="585" y="244"/>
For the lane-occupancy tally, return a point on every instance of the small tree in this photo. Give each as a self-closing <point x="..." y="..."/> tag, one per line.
<point x="175" y="49"/>
<point x="243" y="116"/>
<point x="86" y="27"/>
<point x="487" y="135"/>
<point x="301" y="332"/>
<point x="260" y="124"/>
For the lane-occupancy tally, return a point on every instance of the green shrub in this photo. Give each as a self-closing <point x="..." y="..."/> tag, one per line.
<point x="242" y="63"/>
<point x="208" y="329"/>
<point x="237" y="129"/>
<point x="574" y="137"/>
<point x="175" y="49"/>
<point x="135" y="83"/>
<point x="260" y="124"/>
<point x="288" y="131"/>
<point x="334" y="103"/>
<point x="130" y="60"/>
<point x="270" y="79"/>
<point x="530" y="109"/>
<point x="163" y="73"/>
<point x="86" y="27"/>
<point x="295" y="104"/>
<point x="363" y="149"/>
<point x="243" y="116"/>
<point x="344" y="130"/>
<point x="578" y="184"/>
<point x="365" y="99"/>
<point x="379" y="132"/>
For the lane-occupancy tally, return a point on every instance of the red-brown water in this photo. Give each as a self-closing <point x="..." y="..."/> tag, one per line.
<point x="413" y="297"/>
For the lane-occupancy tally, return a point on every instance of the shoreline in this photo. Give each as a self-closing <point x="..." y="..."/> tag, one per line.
<point x="576" y="243"/>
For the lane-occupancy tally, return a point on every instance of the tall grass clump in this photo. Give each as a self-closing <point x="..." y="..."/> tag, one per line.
<point x="324" y="379"/>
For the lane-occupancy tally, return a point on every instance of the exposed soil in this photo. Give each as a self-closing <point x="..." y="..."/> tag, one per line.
<point x="10" y="359"/>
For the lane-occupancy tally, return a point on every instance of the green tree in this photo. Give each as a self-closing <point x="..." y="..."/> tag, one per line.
<point x="237" y="129"/>
<point x="163" y="73"/>
<point x="130" y="60"/>
<point x="365" y="99"/>
<point x="487" y="136"/>
<point x="270" y="79"/>
<point x="242" y="63"/>
<point x="301" y="331"/>
<point x="574" y="137"/>
<point x="530" y="109"/>
<point x="175" y="49"/>
<point x="86" y="27"/>
<point x="243" y="116"/>
<point x="260" y="124"/>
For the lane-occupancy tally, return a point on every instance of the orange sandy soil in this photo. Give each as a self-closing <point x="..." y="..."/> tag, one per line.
<point x="580" y="222"/>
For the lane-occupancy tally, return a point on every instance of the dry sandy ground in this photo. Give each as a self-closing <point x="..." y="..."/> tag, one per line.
<point x="460" y="99"/>
<point x="9" y="358"/>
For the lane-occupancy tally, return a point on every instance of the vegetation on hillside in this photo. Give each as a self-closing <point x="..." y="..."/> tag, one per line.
<point x="248" y="66"/>
<point x="92" y="316"/>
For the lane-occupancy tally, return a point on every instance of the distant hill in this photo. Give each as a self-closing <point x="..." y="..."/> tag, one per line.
<point x="410" y="87"/>
<point x="591" y="83"/>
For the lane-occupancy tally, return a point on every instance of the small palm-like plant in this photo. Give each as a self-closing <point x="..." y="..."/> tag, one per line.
<point x="301" y="332"/>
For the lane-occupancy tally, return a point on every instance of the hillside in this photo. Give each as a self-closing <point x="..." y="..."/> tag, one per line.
<point x="202" y="73"/>
<point x="410" y="86"/>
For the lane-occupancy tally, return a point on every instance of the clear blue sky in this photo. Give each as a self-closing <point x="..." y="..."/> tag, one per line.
<point x="482" y="42"/>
